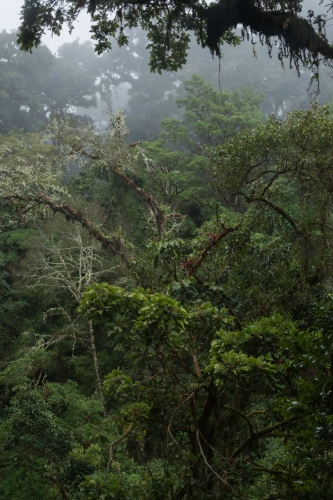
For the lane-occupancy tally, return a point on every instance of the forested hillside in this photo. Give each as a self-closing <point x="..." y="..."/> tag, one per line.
<point x="166" y="296"/>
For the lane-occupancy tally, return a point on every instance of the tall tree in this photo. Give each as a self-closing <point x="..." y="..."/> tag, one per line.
<point x="23" y="85"/>
<point x="71" y="79"/>
<point x="69" y="263"/>
<point x="35" y="86"/>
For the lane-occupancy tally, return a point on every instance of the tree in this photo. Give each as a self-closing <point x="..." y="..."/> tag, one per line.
<point x="168" y="24"/>
<point x="23" y="85"/>
<point x="210" y="416"/>
<point x="68" y="263"/>
<point x="217" y="343"/>
<point x="179" y="167"/>
<point x="71" y="79"/>
<point x="31" y="181"/>
<point x="249" y="65"/>
<point x="35" y="86"/>
<point x="212" y="117"/>
<point x="43" y="454"/>
<point x="151" y="98"/>
<point x="235" y="361"/>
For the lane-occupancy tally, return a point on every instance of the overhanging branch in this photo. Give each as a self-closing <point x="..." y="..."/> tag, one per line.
<point x="296" y="32"/>
<point x="210" y="22"/>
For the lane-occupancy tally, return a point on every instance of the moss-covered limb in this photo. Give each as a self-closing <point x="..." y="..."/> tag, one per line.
<point x="169" y="21"/>
<point x="114" y="245"/>
<point x="146" y="197"/>
<point x="296" y="32"/>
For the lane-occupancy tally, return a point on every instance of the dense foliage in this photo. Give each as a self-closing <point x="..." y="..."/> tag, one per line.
<point x="166" y="292"/>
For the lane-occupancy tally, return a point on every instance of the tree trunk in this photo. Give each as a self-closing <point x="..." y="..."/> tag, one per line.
<point x="98" y="374"/>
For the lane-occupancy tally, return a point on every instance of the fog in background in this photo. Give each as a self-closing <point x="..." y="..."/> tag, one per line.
<point x="80" y="82"/>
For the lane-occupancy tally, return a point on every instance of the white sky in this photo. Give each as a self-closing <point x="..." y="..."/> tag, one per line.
<point x="10" y="19"/>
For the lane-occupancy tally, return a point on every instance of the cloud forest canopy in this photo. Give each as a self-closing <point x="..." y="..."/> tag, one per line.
<point x="169" y="22"/>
